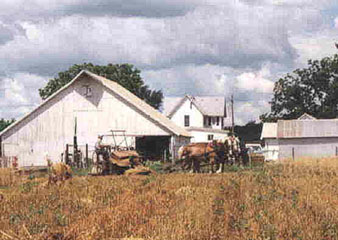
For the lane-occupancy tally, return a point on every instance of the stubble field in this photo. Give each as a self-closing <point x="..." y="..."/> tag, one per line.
<point x="293" y="200"/>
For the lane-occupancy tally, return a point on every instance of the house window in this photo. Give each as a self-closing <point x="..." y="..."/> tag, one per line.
<point x="209" y="121"/>
<point x="210" y="137"/>
<point x="186" y="121"/>
<point x="217" y="121"/>
<point x="87" y="91"/>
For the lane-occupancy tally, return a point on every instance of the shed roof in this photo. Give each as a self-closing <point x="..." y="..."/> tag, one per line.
<point x="307" y="128"/>
<point x="269" y="130"/>
<point x="124" y="94"/>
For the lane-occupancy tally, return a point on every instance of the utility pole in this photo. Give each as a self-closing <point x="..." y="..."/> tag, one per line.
<point x="232" y="114"/>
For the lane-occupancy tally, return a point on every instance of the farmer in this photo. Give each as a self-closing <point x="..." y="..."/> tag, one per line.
<point x="100" y="149"/>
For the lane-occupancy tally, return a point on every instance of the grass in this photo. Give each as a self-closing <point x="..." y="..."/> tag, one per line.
<point x="292" y="200"/>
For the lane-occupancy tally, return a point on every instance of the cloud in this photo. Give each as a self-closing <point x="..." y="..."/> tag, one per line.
<point x="336" y="22"/>
<point x="227" y="35"/>
<point x="212" y="80"/>
<point x="18" y="94"/>
<point x="43" y="9"/>
<point x="249" y="111"/>
<point x="201" y="47"/>
<point x="256" y="81"/>
<point x="314" y="46"/>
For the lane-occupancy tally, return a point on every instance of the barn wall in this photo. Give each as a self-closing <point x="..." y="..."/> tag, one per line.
<point x="271" y="149"/>
<point x="51" y="127"/>
<point x="196" y="117"/>
<point x="307" y="147"/>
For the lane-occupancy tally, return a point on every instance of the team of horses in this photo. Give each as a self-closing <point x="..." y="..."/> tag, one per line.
<point x="217" y="154"/>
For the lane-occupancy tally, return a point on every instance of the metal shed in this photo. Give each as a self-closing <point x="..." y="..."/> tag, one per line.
<point x="303" y="137"/>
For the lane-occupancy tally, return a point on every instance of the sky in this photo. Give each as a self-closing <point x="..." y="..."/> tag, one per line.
<point x="196" y="47"/>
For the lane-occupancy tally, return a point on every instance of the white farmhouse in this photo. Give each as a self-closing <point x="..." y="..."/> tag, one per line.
<point x="204" y="117"/>
<point x="97" y="105"/>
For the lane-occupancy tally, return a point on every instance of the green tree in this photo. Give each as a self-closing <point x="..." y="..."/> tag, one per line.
<point x="5" y="123"/>
<point x="312" y="90"/>
<point x="124" y="74"/>
<point x="249" y="132"/>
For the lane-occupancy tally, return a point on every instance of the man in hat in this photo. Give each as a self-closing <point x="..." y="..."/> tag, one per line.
<point x="99" y="148"/>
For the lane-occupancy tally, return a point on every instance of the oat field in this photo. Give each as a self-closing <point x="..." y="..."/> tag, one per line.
<point x="292" y="200"/>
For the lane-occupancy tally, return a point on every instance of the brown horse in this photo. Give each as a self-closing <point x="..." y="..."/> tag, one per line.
<point x="195" y="153"/>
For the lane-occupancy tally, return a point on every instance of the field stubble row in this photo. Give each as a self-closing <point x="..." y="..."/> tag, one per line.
<point x="292" y="200"/>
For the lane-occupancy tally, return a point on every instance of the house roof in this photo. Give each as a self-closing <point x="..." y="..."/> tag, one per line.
<point x="269" y="130"/>
<point x="209" y="106"/>
<point x="124" y="94"/>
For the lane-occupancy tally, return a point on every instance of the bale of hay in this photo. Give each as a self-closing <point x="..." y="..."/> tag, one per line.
<point x="257" y="158"/>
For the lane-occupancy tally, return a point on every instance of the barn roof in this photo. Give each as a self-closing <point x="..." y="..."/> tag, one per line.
<point x="208" y="106"/>
<point x="124" y="94"/>
<point x="307" y="128"/>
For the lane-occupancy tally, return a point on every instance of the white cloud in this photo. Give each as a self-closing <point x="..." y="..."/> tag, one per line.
<point x="18" y="94"/>
<point x="256" y="81"/>
<point x="250" y="111"/>
<point x="204" y="47"/>
<point x="314" y="46"/>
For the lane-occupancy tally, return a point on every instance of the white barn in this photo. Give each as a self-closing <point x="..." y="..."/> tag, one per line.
<point x="98" y="105"/>
<point x="302" y="137"/>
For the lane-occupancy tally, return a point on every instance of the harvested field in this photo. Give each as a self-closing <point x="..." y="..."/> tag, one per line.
<point x="293" y="200"/>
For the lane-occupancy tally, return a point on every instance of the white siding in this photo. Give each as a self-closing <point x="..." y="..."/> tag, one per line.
<point x="213" y="122"/>
<point x="271" y="149"/>
<point x="307" y="147"/>
<point x="202" y="136"/>
<point x="195" y="116"/>
<point x="51" y="127"/>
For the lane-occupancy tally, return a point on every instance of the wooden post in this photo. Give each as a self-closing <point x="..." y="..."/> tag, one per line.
<point x="293" y="153"/>
<point x="250" y="161"/>
<point x="172" y="147"/>
<point x="87" y="161"/>
<point x="0" y="146"/>
<point x="67" y="152"/>
<point x="232" y="115"/>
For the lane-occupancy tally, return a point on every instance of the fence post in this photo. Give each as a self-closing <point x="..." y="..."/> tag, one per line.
<point x="293" y="153"/>
<point x="87" y="155"/>
<point x="66" y="157"/>
<point x="0" y="146"/>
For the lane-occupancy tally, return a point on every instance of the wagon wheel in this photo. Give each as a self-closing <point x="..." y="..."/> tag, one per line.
<point x="97" y="167"/>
